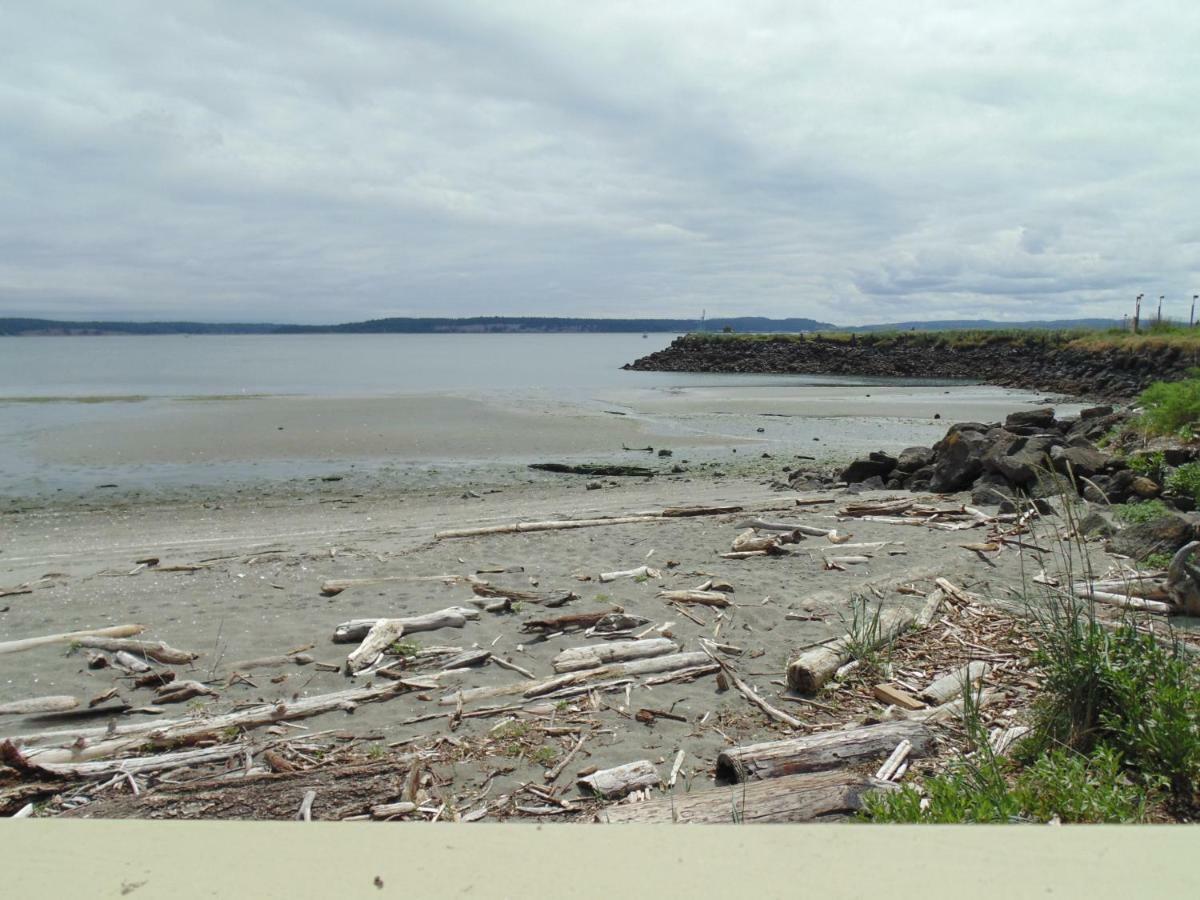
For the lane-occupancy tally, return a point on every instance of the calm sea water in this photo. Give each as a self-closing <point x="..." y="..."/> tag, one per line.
<point x="339" y="365"/>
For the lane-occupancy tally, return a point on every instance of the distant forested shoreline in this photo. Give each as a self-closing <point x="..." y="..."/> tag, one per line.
<point x="28" y="327"/>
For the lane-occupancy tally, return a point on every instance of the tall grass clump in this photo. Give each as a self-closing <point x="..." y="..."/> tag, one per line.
<point x="1171" y="407"/>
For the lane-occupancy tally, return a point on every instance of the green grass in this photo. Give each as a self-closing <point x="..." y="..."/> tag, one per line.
<point x="404" y="648"/>
<point x="1137" y="513"/>
<point x="863" y="636"/>
<point x="1063" y="785"/>
<point x="1185" y="480"/>
<point x="1152" y="337"/>
<point x="1171" y="407"/>
<point x="1152" y="465"/>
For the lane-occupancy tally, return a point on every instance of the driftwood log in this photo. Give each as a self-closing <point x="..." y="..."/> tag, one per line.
<point x="668" y="663"/>
<point x="824" y="750"/>
<point x="1183" y="580"/>
<point x="702" y="598"/>
<point x="813" y="668"/>
<point x="950" y="686"/>
<point x="155" y="650"/>
<point x="639" y="572"/>
<point x="180" y="730"/>
<point x="793" y="798"/>
<point x="335" y="586"/>
<point x="114" y="631"/>
<point x="574" y="658"/>
<point x="451" y="617"/>
<point x="38" y="705"/>
<point x="619" y="781"/>
<point x="672" y="512"/>
<point x="599" y="471"/>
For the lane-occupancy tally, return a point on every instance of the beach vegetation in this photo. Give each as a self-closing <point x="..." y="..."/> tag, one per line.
<point x="1185" y="480"/>
<point x="1114" y="731"/>
<point x="1171" y="407"/>
<point x="1137" y="513"/>
<point x="406" y="649"/>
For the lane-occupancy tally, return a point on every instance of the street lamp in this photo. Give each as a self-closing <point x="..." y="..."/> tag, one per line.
<point x="1192" y="317"/>
<point x="1137" y="312"/>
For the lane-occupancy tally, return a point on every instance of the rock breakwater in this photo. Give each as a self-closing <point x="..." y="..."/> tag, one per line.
<point x="1031" y="361"/>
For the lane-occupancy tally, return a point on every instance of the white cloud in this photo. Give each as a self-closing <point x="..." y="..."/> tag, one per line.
<point x="853" y="162"/>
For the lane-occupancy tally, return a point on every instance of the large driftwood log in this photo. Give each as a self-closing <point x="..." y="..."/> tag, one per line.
<point x="596" y="471"/>
<point x="793" y="798"/>
<point x="702" y="598"/>
<point x="36" y="705"/>
<point x="155" y="650"/>
<point x="573" y="622"/>
<point x="114" y="631"/>
<point x="809" y="671"/>
<point x="451" y="617"/>
<point x="335" y="586"/>
<point x="272" y="662"/>
<point x="554" y="525"/>
<point x="139" y="765"/>
<point x="668" y="663"/>
<point x="671" y="512"/>
<point x="179" y="730"/>
<point x="619" y="781"/>
<point x="1125" y="602"/>
<point x="824" y="750"/>
<point x="574" y="658"/>
<point x="950" y="686"/>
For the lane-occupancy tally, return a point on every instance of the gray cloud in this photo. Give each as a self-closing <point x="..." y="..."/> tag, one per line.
<point x="317" y="162"/>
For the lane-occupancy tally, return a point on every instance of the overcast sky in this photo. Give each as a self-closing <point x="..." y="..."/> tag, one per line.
<point x="848" y="161"/>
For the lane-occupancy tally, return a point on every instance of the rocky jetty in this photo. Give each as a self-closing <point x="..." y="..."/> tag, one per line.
<point x="1031" y="454"/>
<point x="1034" y="361"/>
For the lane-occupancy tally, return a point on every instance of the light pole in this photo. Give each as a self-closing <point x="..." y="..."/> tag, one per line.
<point x="1192" y="317"/>
<point x="1137" y="312"/>
<point x="1158" y="318"/>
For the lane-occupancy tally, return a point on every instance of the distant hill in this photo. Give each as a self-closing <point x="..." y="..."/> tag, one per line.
<point x="482" y="324"/>
<point x="514" y="325"/>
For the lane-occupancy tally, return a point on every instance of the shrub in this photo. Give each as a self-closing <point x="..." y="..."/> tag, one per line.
<point x="1152" y="465"/>
<point x="1185" y="480"/>
<point x="1121" y="689"/>
<point x="1062" y="784"/>
<point x="1172" y="407"/>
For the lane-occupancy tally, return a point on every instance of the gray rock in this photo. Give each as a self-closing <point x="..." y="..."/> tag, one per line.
<point x="1095" y="412"/>
<point x="1021" y="459"/>
<point x="1081" y="458"/>
<point x="1165" y="534"/>
<point x="1020" y="504"/>
<point x="919" y="480"/>
<point x="875" y="465"/>
<point x="1031" y="418"/>
<point x="874" y="483"/>
<point x="913" y="458"/>
<point x="991" y="489"/>
<point x="1096" y="524"/>
<point x="959" y="458"/>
